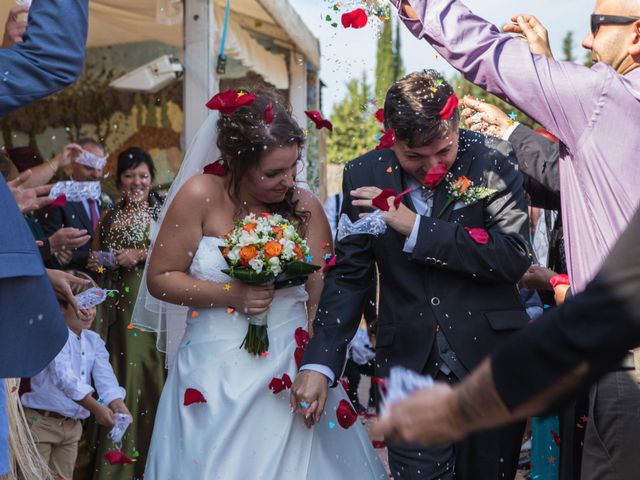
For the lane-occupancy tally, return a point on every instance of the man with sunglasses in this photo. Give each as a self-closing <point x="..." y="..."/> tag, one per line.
<point x="595" y="112"/>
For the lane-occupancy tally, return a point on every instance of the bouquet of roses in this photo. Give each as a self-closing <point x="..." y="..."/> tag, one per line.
<point x="264" y="249"/>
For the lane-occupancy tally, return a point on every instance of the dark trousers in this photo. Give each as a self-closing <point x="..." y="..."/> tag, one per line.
<point x="613" y="430"/>
<point x="573" y="424"/>
<point x="490" y="455"/>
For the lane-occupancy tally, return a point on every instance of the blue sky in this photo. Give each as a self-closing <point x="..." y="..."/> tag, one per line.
<point x="347" y="53"/>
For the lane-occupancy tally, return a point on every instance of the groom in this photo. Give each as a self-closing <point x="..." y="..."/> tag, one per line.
<point x="446" y="300"/>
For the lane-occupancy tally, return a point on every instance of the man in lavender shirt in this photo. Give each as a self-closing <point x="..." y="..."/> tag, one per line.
<point x="595" y="113"/>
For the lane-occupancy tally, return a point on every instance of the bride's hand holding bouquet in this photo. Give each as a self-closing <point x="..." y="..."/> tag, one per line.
<point x="265" y="250"/>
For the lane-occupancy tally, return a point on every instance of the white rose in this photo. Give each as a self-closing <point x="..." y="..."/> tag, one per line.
<point x="257" y="264"/>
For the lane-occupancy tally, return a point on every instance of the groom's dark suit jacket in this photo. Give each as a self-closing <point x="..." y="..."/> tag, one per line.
<point x="469" y="290"/>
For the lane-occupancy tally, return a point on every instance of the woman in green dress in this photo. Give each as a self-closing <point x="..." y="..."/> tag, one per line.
<point x="136" y="361"/>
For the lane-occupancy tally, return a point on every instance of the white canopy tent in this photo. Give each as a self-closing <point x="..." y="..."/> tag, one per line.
<point x="114" y="22"/>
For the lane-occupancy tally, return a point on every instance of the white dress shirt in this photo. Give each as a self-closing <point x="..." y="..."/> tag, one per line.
<point x="67" y="378"/>
<point x="423" y="207"/>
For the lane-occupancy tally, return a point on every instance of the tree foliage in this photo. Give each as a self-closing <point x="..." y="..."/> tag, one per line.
<point x="354" y="128"/>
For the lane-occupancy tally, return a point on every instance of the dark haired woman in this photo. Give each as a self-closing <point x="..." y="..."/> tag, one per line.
<point x="243" y="430"/>
<point x="137" y="363"/>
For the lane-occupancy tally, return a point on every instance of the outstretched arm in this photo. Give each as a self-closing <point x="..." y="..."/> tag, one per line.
<point x="50" y="57"/>
<point x="559" y="95"/>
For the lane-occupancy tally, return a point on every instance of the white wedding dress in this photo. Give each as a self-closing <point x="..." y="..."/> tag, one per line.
<point x="244" y="431"/>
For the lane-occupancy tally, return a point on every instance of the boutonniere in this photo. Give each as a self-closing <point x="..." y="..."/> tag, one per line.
<point x="462" y="189"/>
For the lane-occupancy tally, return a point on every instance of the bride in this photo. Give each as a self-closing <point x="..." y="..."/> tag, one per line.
<point x="240" y="429"/>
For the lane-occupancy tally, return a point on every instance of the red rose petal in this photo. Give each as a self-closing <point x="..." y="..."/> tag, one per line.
<point x="435" y="175"/>
<point x="378" y="444"/>
<point x="278" y="385"/>
<point x="449" y="108"/>
<point x="345" y="414"/>
<point x="380" y="202"/>
<point x="387" y="140"/>
<point x="320" y="122"/>
<point x="192" y="395"/>
<point x="345" y="384"/>
<point x="556" y="438"/>
<point x="60" y="201"/>
<point x="230" y="101"/>
<point x="478" y="235"/>
<point x="218" y="169"/>
<point x="116" y="457"/>
<point x="302" y="337"/>
<point x="379" y="115"/>
<point x="561" y="279"/>
<point x="268" y="114"/>
<point x="330" y="264"/>
<point x="355" y="19"/>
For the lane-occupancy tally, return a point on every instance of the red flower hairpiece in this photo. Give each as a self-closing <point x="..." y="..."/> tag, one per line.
<point x="217" y="168"/>
<point x="316" y="117"/>
<point x="230" y="101"/>
<point x="449" y="108"/>
<point x="268" y="114"/>
<point x="387" y="140"/>
<point x="355" y="19"/>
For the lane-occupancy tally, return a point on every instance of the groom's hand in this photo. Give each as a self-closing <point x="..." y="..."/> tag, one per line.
<point x="401" y="219"/>
<point x="309" y="395"/>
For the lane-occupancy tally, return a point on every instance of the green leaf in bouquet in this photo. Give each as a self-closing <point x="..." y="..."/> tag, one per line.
<point x="248" y="275"/>
<point x="294" y="274"/>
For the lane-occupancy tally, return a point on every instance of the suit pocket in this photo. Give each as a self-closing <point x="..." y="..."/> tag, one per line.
<point x="507" y="319"/>
<point x="385" y="336"/>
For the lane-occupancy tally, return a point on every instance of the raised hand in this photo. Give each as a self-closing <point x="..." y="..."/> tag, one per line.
<point x="401" y="219"/>
<point x="309" y="395"/>
<point x="14" y="28"/>
<point x="68" y="238"/>
<point x="484" y="118"/>
<point x="62" y="283"/>
<point x="533" y="32"/>
<point x="29" y="199"/>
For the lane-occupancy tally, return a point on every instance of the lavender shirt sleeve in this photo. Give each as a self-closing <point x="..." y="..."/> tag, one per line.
<point x="562" y="96"/>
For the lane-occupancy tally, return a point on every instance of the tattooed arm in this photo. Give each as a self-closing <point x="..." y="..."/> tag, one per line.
<point x="444" y="414"/>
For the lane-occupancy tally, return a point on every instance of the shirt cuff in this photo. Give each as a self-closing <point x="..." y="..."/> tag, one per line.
<point x="410" y="243"/>
<point x="112" y="394"/>
<point x="510" y="131"/>
<point x="80" y="392"/>
<point x="323" y="369"/>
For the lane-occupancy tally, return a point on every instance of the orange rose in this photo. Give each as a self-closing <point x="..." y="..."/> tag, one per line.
<point x="462" y="184"/>
<point x="278" y="231"/>
<point x="225" y="252"/>
<point x="298" y="251"/>
<point x="250" y="227"/>
<point x="247" y="254"/>
<point x="272" y="249"/>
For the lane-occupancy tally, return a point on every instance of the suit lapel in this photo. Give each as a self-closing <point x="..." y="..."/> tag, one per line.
<point x="459" y="168"/>
<point x="78" y="210"/>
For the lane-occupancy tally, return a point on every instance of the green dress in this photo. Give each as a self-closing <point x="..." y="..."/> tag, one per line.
<point x="137" y="363"/>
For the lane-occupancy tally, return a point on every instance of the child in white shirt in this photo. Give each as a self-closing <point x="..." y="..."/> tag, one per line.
<point x="61" y="395"/>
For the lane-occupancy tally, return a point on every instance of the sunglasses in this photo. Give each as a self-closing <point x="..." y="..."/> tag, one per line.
<point x="597" y="20"/>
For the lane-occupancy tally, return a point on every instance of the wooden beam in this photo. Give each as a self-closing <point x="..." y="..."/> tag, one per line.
<point x="285" y="16"/>
<point x="200" y="81"/>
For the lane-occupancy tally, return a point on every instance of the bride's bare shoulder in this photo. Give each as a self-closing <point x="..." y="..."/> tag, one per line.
<point x="201" y="189"/>
<point x="307" y="201"/>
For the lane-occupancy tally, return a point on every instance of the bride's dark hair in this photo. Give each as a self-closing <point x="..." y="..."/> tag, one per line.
<point x="244" y="136"/>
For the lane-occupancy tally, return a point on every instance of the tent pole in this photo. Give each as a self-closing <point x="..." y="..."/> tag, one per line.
<point x="201" y="81"/>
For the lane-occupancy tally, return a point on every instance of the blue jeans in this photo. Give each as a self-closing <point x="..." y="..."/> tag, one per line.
<point x="4" y="432"/>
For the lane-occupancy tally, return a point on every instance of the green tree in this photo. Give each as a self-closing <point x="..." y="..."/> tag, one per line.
<point x="384" y="61"/>
<point x="567" y="47"/>
<point x="354" y="128"/>
<point x="463" y="88"/>
<point x="398" y="67"/>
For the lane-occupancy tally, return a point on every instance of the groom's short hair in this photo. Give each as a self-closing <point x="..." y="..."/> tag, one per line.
<point x="412" y="108"/>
